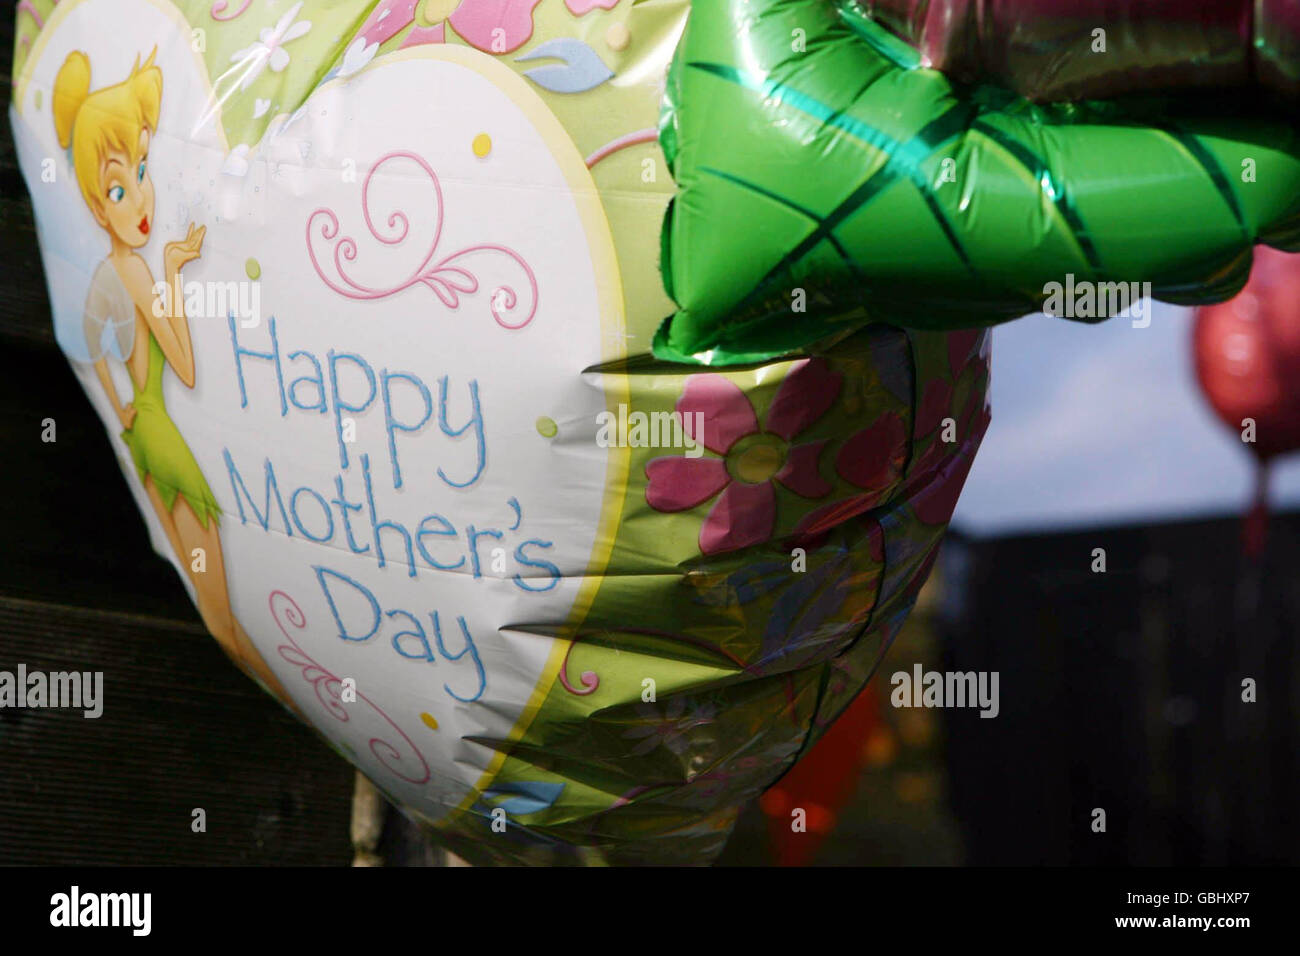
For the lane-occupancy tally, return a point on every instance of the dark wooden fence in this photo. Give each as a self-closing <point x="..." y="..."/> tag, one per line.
<point x="1123" y="691"/>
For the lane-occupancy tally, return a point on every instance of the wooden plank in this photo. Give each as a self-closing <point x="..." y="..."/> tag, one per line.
<point x="1122" y="690"/>
<point x="181" y="729"/>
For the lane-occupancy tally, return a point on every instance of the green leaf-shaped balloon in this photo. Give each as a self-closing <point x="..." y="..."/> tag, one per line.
<point x="827" y="180"/>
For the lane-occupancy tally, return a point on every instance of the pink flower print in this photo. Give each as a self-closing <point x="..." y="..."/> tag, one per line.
<point x="580" y="8"/>
<point x="752" y="458"/>
<point x="935" y="503"/>
<point x="965" y="421"/>
<point x="493" y="26"/>
<point x="387" y="20"/>
<point x="934" y="407"/>
<point x="670" y="730"/>
<point x="960" y="346"/>
<point x="873" y="458"/>
<point x="813" y="529"/>
<point x="937" y="401"/>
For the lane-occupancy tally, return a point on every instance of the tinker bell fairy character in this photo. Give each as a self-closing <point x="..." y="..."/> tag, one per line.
<point x="109" y="133"/>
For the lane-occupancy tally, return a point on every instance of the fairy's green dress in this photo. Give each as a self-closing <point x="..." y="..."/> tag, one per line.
<point x="157" y="447"/>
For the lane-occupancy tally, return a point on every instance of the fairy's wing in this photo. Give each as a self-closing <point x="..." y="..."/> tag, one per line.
<point x="109" y="318"/>
<point x="71" y="242"/>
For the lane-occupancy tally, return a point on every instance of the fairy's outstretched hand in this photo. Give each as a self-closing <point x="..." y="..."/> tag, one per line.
<point x="181" y="251"/>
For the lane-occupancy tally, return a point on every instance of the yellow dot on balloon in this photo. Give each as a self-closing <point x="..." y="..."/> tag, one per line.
<point x="546" y="427"/>
<point x="429" y="721"/>
<point x="253" y="268"/>
<point x="38" y="99"/>
<point x="482" y="145"/>
<point x="618" y="37"/>
<point x="758" y="464"/>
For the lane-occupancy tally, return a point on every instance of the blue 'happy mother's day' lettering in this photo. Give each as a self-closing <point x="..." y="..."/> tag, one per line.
<point x="436" y="542"/>
<point x="367" y="617"/>
<point x="327" y="387"/>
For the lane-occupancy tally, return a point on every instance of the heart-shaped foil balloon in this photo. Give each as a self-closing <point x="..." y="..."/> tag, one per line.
<point x="374" y="299"/>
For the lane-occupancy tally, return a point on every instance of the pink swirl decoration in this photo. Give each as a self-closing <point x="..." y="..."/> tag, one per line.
<point x="327" y="687"/>
<point x="623" y="142"/>
<point x="448" y="281"/>
<point x="590" y="679"/>
<point x="221" y="6"/>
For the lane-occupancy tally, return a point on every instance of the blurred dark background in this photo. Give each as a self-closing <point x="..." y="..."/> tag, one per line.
<point x="1123" y="691"/>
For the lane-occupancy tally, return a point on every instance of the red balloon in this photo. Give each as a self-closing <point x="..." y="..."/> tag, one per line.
<point x="1248" y="354"/>
<point x="821" y="784"/>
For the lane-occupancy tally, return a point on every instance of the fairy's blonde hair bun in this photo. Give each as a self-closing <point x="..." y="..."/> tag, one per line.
<point x="71" y="87"/>
<point x="109" y="119"/>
